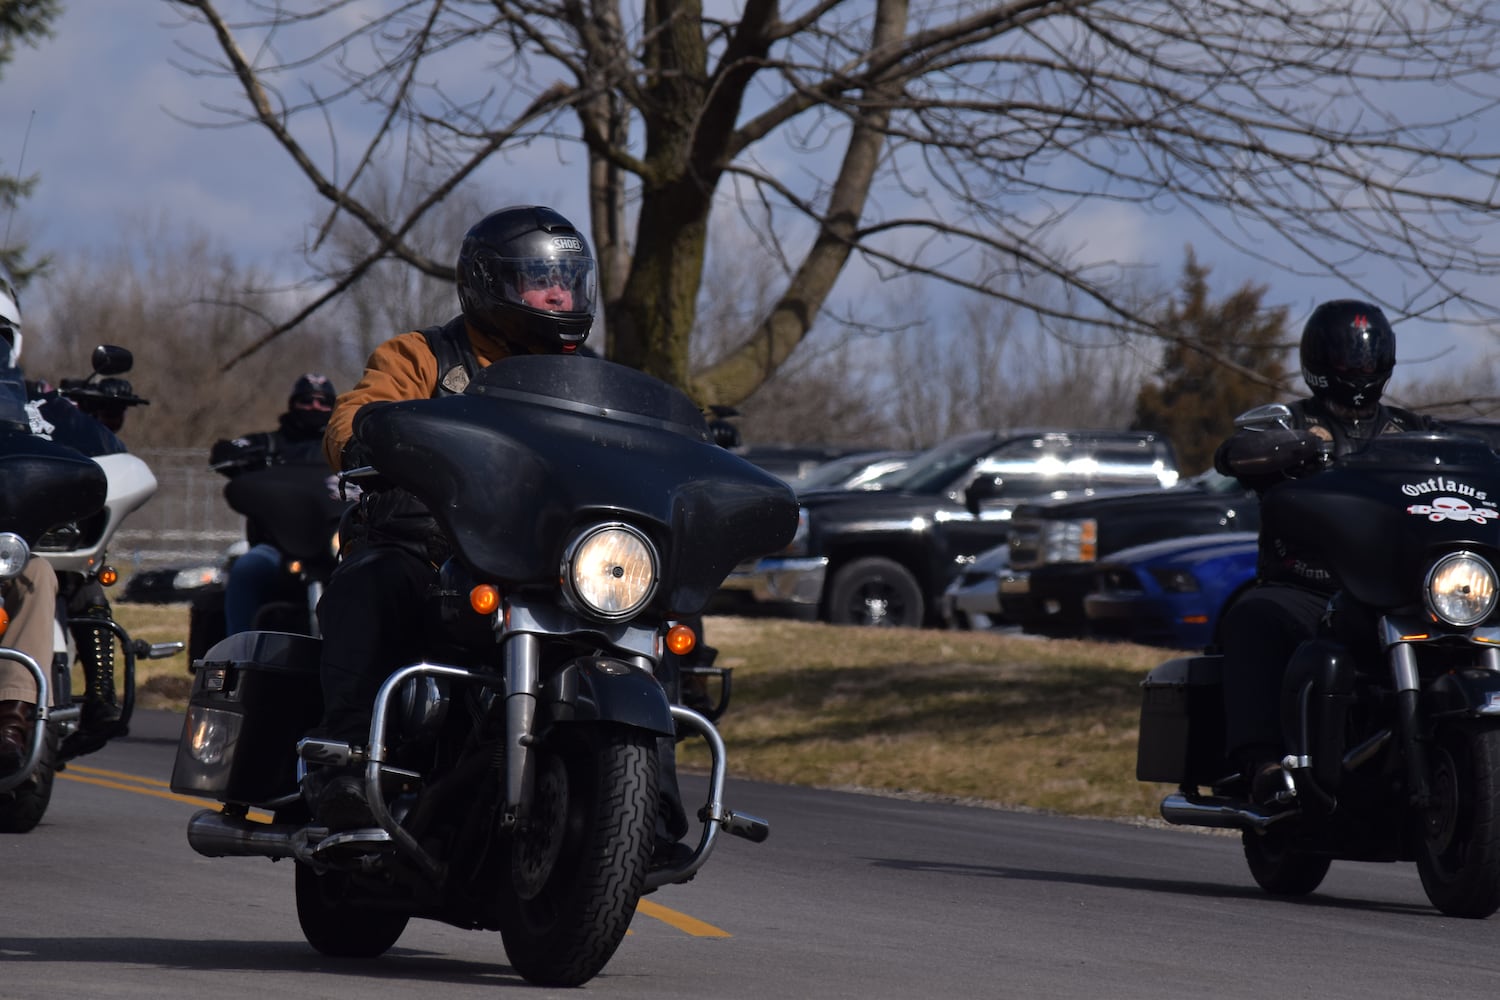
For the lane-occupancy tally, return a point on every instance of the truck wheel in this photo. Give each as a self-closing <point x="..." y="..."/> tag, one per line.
<point x="875" y="591"/>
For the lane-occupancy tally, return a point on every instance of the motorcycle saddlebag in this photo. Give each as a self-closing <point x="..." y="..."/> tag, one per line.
<point x="1182" y="723"/>
<point x="255" y="694"/>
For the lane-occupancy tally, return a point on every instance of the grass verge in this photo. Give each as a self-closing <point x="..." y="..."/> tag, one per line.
<point x="1012" y="721"/>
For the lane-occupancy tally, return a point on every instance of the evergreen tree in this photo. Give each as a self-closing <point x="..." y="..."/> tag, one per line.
<point x="26" y="21"/>
<point x="1221" y="359"/>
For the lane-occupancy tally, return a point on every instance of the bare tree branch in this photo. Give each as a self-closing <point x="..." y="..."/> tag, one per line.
<point x="1354" y="140"/>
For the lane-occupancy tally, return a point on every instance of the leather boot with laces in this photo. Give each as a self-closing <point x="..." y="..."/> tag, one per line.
<point x="96" y="652"/>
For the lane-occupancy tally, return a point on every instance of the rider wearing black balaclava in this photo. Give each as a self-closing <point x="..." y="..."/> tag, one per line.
<point x="1348" y="352"/>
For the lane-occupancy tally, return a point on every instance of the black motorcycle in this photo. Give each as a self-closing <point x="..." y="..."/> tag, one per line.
<point x="514" y="774"/>
<point x="297" y="509"/>
<point x="1391" y="715"/>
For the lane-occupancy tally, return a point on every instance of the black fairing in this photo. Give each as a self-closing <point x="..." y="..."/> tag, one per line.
<point x="46" y="484"/>
<point x="293" y="504"/>
<point x="1364" y="515"/>
<point x="539" y="445"/>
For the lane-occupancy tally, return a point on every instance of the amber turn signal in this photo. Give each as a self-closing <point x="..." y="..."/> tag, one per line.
<point x="485" y="598"/>
<point x="4" y="620"/>
<point x="681" y="639"/>
<point x="108" y="576"/>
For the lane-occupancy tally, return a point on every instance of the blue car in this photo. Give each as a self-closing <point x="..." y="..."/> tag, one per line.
<point x="1171" y="593"/>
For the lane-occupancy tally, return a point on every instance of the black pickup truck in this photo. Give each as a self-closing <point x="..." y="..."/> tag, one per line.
<point x="883" y="557"/>
<point x="1054" y="545"/>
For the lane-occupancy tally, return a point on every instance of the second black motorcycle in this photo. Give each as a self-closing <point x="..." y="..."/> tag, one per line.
<point x="1391" y="715"/>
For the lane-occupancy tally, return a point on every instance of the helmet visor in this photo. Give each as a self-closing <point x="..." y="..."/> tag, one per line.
<point x="562" y="284"/>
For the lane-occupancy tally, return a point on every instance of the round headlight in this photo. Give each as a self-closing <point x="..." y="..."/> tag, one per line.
<point x="14" y="553"/>
<point x="611" y="571"/>
<point x="1461" y="589"/>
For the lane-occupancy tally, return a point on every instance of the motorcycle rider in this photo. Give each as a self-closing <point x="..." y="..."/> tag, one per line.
<point x="526" y="285"/>
<point x="30" y="598"/>
<point x="56" y="417"/>
<point x="1348" y="351"/>
<point x="297" y="440"/>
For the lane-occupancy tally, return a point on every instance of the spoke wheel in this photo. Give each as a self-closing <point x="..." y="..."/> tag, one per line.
<point x="1458" y="848"/>
<point x="578" y="869"/>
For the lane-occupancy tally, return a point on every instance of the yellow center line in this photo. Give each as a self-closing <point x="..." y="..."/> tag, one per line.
<point x="133" y="783"/>
<point x="679" y="920"/>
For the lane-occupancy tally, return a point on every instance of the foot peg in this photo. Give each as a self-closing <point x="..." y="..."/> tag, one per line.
<point x="752" y="828"/>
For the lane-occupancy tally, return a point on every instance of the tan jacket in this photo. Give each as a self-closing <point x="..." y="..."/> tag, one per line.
<point x="403" y="367"/>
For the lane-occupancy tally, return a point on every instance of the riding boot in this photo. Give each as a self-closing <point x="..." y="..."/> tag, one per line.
<point x="15" y="734"/>
<point x="96" y="652"/>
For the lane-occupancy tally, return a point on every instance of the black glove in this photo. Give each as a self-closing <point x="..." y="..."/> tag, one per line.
<point x="1257" y="455"/>
<point x="238" y="454"/>
<point x="355" y="455"/>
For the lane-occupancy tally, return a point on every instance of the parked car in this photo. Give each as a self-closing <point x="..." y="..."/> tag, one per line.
<point x="884" y="557"/>
<point x="171" y="584"/>
<point x="790" y="463"/>
<point x="972" y="600"/>
<point x="1055" y="546"/>
<point x="863" y="470"/>
<point x="1171" y="593"/>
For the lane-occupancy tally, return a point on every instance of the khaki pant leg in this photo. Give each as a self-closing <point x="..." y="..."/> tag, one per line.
<point x="31" y="601"/>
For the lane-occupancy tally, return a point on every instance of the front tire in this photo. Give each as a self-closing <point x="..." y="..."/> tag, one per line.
<point x="1458" y="835"/>
<point x="876" y="591"/>
<point x="578" y="870"/>
<point x="335" y="926"/>
<point x="1280" y="870"/>
<point x="23" y="807"/>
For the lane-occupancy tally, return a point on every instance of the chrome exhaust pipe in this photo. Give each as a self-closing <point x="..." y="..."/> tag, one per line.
<point x="1180" y="810"/>
<point x="214" y="835"/>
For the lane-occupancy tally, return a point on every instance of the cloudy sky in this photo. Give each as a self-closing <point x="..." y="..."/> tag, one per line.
<point x="104" y="105"/>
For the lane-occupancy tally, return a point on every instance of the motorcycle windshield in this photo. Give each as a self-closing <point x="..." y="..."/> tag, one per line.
<point x="1380" y="516"/>
<point x="46" y="484"/>
<point x="13" y="399"/>
<point x="540" y="446"/>
<point x="297" y="507"/>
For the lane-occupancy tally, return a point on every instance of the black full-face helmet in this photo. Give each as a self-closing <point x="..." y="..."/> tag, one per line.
<point x="526" y="277"/>
<point x="1348" y="352"/>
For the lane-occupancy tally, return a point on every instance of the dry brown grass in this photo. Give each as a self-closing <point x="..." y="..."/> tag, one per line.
<point x="159" y="683"/>
<point x="1014" y="721"/>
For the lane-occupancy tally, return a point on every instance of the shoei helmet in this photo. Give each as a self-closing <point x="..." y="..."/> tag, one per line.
<point x="10" y="316"/>
<point x="526" y="277"/>
<point x="312" y="391"/>
<point x="1348" y="352"/>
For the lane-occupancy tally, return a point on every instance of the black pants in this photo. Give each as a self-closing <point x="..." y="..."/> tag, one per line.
<point x="371" y="614"/>
<point x="1260" y="632"/>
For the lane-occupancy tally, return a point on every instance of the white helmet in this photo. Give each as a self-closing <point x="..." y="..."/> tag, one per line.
<point x="10" y="316"/>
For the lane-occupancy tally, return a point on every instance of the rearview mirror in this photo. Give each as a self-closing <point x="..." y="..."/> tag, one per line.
<point x="1263" y="418"/>
<point x="982" y="489"/>
<point x="111" y="360"/>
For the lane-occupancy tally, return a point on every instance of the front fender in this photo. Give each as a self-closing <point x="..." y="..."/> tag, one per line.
<point x="603" y="689"/>
<point x="1474" y="693"/>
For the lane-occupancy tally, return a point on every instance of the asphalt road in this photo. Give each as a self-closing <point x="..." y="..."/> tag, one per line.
<point x="853" y="896"/>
